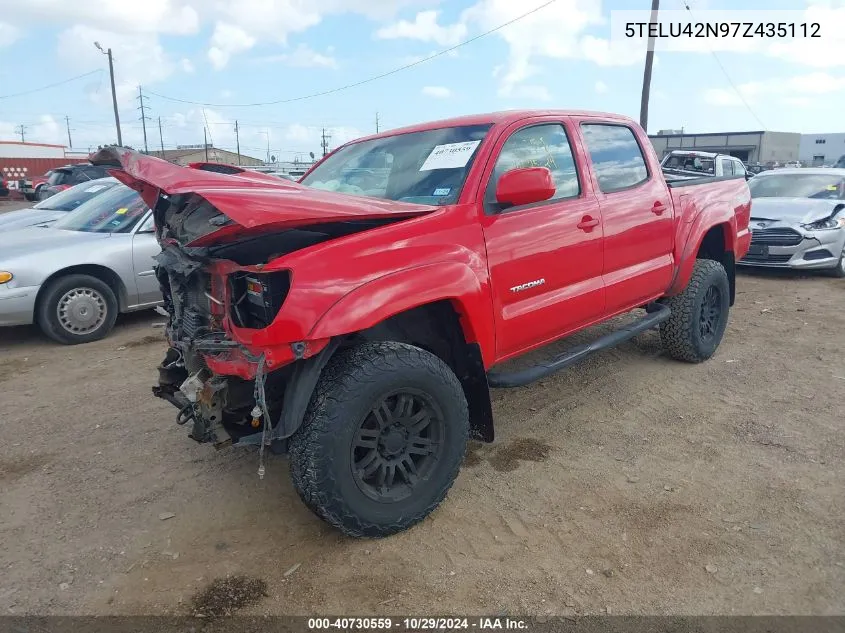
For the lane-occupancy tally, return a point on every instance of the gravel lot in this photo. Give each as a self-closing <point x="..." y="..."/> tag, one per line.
<point x="630" y="484"/>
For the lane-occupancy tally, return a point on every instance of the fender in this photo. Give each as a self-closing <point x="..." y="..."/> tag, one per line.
<point x="398" y="292"/>
<point x="690" y="236"/>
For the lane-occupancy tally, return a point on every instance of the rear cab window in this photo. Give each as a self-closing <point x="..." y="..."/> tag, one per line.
<point x="542" y="145"/>
<point x="616" y="155"/>
<point x="727" y="166"/>
<point x="689" y="162"/>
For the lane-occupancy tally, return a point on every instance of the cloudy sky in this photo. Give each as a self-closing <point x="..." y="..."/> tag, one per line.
<point x="229" y="54"/>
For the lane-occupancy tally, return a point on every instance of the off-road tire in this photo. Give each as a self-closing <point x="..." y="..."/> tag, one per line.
<point x="320" y="452"/>
<point x="30" y="197"/>
<point x="680" y="332"/>
<point x="46" y="311"/>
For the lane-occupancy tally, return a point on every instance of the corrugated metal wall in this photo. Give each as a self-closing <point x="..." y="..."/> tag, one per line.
<point x="15" y="169"/>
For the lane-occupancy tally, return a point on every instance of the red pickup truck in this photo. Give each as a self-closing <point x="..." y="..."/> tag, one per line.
<point x="357" y="320"/>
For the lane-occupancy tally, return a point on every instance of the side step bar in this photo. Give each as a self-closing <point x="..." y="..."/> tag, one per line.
<point x="657" y="313"/>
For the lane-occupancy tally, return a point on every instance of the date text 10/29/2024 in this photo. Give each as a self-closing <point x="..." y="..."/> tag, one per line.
<point x="418" y="624"/>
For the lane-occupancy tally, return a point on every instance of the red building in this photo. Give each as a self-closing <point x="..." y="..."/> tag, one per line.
<point x="20" y="161"/>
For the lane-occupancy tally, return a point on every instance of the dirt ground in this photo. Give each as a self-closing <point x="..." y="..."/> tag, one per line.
<point x="631" y="484"/>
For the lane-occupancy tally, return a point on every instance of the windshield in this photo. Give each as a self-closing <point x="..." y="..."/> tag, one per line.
<point x="423" y="167"/>
<point x="69" y="199"/>
<point x="114" y="211"/>
<point x="690" y="163"/>
<point x="821" y="186"/>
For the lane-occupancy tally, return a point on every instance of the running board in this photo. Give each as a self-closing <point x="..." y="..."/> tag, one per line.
<point x="657" y="313"/>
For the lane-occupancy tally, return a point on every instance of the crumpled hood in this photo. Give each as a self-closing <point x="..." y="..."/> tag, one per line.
<point x="793" y="210"/>
<point x="251" y="202"/>
<point x="23" y="218"/>
<point x="30" y="242"/>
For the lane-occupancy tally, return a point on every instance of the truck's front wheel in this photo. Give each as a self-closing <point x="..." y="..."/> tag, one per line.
<point x="382" y="440"/>
<point x="699" y="314"/>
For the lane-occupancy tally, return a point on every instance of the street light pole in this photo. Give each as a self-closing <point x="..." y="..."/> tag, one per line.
<point x="113" y="92"/>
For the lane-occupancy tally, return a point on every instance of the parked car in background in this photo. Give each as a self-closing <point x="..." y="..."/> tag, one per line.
<point x="798" y="220"/>
<point x="793" y="164"/>
<point x="841" y="162"/>
<point x="4" y="187"/>
<point x="31" y="187"/>
<point x="62" y="178"/>
<point x="72" y="277"/>
<point x="56" y="206"/>
<point x="692" y="164"/>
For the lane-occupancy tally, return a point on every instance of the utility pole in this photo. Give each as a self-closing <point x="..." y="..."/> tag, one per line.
<point x="144" y="118"/>
<point x="205" y="143"/>
<point x="376" y="122"/>
<point x="268" y="148"/>
<point x="649" y="60"/>
<point x="238" y="141"/>
<point x="21" y="129"/>
<point x="69" y="141"/>
<point x="160" y="137"/>
<point x="113" y="92"/>
<point x="325" y="142"/>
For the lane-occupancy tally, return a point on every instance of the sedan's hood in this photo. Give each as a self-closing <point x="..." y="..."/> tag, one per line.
<point x="793" y="210"/>
<point x="27" y="217"/>
<point x="32" y="241"/>
<point x="251" y="203"/>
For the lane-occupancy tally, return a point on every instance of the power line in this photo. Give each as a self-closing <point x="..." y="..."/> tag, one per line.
<point x="363" y="81"/>
<point x="59" y="83"/>
<point x="727" y="76"/>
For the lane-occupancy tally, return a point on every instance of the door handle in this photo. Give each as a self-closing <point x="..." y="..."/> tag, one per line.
<point x="587" y="223"/>
<point x="658" y="208"/>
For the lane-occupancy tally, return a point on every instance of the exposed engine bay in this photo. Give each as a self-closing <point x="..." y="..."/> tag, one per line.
<point x="236" y="406"/>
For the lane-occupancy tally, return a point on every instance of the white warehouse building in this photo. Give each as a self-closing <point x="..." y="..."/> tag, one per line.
<point x="821" y="149"/>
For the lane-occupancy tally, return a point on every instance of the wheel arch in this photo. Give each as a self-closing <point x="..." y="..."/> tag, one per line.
<point x="713" y="239"/>
<point x="103" y="273"/>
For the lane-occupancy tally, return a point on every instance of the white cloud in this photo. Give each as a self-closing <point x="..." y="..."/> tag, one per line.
<point x="186" y="65"/>
<point x="557" y="31"/>
<point x="601" y="87"/>
<point x="139" y="58"/>
<point x="226" y="94"/>
<point x="151" y="16"/>
<point x="226" y="41"/>
<point x="794" y="91"/>
<point x="425" y="29"/>
<point x="8" y="34"/>
<point x="303" y="56"/>
<point x="438" y="92"/>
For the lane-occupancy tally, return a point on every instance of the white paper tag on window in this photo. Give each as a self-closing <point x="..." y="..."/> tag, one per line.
<point x="95" y="188"/>
<point x="450" y="156"/>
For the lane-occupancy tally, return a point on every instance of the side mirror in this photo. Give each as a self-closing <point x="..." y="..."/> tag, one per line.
<point x="524" y="186"/>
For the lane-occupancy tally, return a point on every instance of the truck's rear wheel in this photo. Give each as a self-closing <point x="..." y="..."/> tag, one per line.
<point x="382" y="440"/>
<point x="699" y="314"/>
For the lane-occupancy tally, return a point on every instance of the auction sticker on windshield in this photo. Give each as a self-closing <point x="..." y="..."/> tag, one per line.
<point x="450" y="156"/>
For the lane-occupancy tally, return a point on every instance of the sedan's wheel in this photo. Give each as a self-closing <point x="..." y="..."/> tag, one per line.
<point x="77" y="309"/>
<point x="382" y="440"/>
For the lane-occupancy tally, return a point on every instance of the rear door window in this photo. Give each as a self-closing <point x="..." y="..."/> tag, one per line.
<point x="617" y="157"/>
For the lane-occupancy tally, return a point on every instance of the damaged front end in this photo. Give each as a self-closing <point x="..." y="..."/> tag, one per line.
<point x="234" y="373"/>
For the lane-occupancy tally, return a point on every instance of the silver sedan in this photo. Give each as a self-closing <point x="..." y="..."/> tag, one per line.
<point x="56" y="206"/>
<point x="72" y="277"/>
<point x="798" y="220"/>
